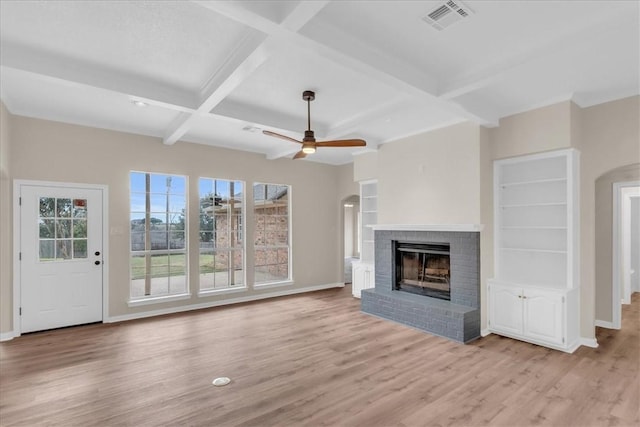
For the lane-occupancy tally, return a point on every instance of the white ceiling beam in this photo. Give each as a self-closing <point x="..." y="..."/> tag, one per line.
<point x="248" y="57"/>
<point x="283" y="153"/>
<point x="377" y="112"/>
<point x="266" y="118"/>
<point x="78" y="74"/>
<point x="235" y="71"/>
<point x="346" y="51"/>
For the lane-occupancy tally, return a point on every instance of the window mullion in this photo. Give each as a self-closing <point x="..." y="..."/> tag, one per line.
<point x="147" y="235"/>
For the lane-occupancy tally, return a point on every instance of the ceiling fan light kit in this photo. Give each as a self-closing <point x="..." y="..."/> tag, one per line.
<point x="309" y="143"/>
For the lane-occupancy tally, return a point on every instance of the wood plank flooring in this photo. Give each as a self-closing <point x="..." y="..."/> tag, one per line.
<point x="311" y="360"/>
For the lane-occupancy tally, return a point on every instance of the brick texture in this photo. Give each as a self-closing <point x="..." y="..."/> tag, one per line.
<point x="458" y="319"/>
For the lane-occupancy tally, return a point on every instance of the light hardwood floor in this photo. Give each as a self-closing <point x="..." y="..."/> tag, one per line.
<point x="312" y="359"/>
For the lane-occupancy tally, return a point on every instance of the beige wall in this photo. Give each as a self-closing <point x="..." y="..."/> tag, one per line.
<point x="610" y="139"/>
<point x="50" y="151"/>
<point x="5" y="223"/>
<point x="431" y="178"/>
<point x="486" y="218"/>
<point x="542" y="129"/>
<point x="365" y="166"/>
<point x="604" y="237"/>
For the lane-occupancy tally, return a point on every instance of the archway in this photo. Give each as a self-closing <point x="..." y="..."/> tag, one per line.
<point x="614" y="241"/>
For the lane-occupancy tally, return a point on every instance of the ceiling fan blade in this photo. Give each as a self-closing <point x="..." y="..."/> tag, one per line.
<point x="342" y="143"/>
<point x="277" y="135"/>
<point x="300" y="155"/>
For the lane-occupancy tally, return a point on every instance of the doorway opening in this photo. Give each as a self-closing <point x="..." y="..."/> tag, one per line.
<point x="351" y="234"/>
<point x="626" y="245"/>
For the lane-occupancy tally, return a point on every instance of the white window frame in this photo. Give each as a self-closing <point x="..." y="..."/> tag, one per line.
<point x="289" y="279"/>
<point x="243" y="202"/>
<point x="153" y="299"/>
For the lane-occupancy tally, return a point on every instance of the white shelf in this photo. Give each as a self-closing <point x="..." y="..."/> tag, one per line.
<point x="535" y="181"/>
<point x="368" y="218"/>
<point x="535" y="218"/>
<point x="546" y="251"/>
<point x="531" y="227"/>
<point x="532" y="205"/>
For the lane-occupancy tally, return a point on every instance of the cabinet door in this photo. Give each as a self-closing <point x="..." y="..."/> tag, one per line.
<point x="369" y="277"/>
<point x="357" y="279"/>
<point x="505" y="309"/>
<point x="543" y="316"/>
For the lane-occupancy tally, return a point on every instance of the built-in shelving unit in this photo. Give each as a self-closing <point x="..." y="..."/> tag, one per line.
<point x="368" y="217"/>
<point x="536" y="244"/>
<point x="363" y="271"/>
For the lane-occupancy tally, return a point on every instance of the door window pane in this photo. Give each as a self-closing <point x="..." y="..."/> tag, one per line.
<point x="62" y="229"/>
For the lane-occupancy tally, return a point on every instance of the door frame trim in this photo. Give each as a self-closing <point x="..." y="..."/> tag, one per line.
<point x="17" y="240"/>
<point x="616" y="279"/>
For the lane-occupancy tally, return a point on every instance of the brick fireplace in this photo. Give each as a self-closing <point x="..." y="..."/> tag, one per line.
<point x="457" y="317"/>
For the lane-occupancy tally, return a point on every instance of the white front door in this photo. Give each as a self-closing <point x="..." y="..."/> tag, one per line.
<point x="60" y="256"/>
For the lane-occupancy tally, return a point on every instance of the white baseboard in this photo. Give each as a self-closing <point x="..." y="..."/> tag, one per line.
<point x="6" y="336"/>
<point x="485" y="332"/>
<point x="589" y="342"/>
<point x="218" y="303"/>
<point x="605" y="324"/>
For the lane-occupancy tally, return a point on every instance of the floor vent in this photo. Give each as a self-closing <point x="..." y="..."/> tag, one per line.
<point x="447" y="14"/>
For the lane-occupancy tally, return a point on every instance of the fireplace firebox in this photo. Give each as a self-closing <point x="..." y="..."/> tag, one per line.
<point x="423" y="269"/>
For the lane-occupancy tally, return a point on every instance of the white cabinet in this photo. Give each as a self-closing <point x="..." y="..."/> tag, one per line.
<point x="534" y="315"/>
<point x="505" y="309"/>
<point x="363" y="271"/>
<point x="363" y="277"/>
<point x="536" y="245"/>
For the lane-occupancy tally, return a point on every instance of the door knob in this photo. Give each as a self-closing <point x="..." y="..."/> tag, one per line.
<point x="97" y="253"/>
<point x="97" y="263"/>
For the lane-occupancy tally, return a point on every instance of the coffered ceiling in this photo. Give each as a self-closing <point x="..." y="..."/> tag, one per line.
<point x="219" y="72"/>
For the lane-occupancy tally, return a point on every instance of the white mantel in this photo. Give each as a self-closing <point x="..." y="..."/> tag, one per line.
<point x="428" y="227"/>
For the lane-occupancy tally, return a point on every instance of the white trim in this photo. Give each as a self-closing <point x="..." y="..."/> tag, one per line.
<point x="616" y="310"/>
<point x="209" y="304"/>
<point x="265" y="285"/>
<point x="6" y="336"/>
<point x="569" y="348"/>
<point x="485" y="332"/>
<point x="157" y="300"/>
<point x="428" y="227"/>
<point x="588" y="342"/>
<point x="17" y="184"/>
<point x="605" y="324"/>
<point x="210" y="292"/>
<point x="537" y="156"/>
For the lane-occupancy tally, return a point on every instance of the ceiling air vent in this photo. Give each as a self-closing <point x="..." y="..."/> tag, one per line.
<point x="447" y="14"/>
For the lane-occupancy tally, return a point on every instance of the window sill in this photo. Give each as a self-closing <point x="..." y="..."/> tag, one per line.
<point x="157" y="300"/>
<point x="210" y="292"/>
<point x="273" y="284"/>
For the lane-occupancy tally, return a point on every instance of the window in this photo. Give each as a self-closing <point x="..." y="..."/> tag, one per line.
<point x="158" y="235"/>
<point x="271" y="235"/>
<point x="63" y="229"/>
<point x="221" y="239"/>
